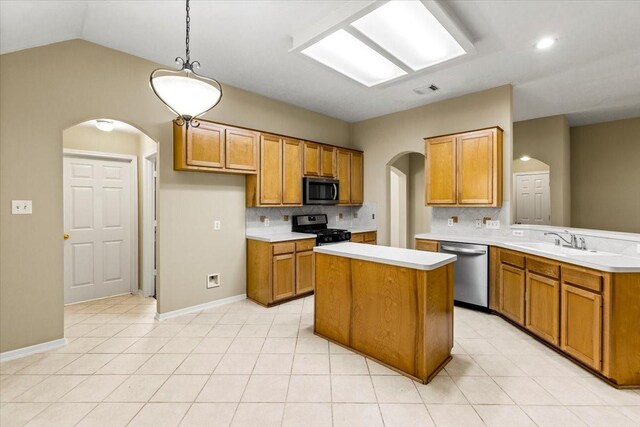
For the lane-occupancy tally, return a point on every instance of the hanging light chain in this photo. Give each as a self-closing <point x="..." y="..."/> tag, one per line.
<point x="188" y="21"/>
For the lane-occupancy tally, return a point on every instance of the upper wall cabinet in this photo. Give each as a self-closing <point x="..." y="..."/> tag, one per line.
<point x="464" y="169"/>
<point x="311" y="158"/>
<point x="212" y="147"/>
<point x="349" y="166"/>
<point x="327" y="161"/>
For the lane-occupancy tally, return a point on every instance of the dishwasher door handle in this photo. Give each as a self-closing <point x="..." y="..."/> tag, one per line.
<point x="463" y="251"/>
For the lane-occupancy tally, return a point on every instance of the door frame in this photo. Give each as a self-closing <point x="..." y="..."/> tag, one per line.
<point x="401" y="206"/>
<point x="514" y="191"/>
<point x="125" y="158"/>
<point x="149" y="223"/>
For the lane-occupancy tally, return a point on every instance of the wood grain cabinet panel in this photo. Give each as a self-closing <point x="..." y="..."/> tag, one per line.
<point x="305" y="272"/>
<point x="475" y="168"/>
<point x="292" y="172"/>
<point x="344" y="176"/>
<point x="270" y="170"/>
<point x="327" y="161"/>
<point x="284" y="276"/>
<point x="241" y="149"/>
<point x="512" y="291"/>
<point x="357" y="178"/>
<point x="205" y="145"/>
<point x="542" y="315"/>
<point x="311" y="156"/>
<point x="333" y="298"/>
<point x="440" y="171"/>
<point x="427" y="245"/>
<point x="581" y="325"/>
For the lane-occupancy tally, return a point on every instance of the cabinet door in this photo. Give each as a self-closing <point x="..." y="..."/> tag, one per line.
<point x="327" y="161"/>
<point x="305" y="272"/>
<point x="512" y="290"/>
<point x="344" y="176"/>
<point x="543" y="307"/>
<point x="440" y="171"/>
<point x="357" y="178"/>
<point x="284" y="276"/>
<point x="581" y="325"/>
<point x="292" y="172"/>
<point x="475" y="168"/>
<point x="311" y="155"/>
<point x="242" y="150"/>
<point x="270" y="170"/>
<point x="205" y="145"/>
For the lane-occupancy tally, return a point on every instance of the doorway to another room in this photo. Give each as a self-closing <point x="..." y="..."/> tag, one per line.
<point x="109" y="190"/>
<point x="532" y="192"/>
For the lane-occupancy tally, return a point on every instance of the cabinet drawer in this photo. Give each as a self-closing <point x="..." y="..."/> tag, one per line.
<point x="370" y="237"/>
<point x="543" y="268"/>
<point x="514" y="258"/>
<point x="427" y="245"/>
<point x="357" y="237"/>
<point x="584" y="279"/>
<point x="305" y="245"/>
<point x="284" y="248"/>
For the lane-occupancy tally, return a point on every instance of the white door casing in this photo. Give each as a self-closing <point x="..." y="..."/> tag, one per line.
<point x="100" y="216"/>
<point x="397" y="208"/>
<point x="533" y="198"/>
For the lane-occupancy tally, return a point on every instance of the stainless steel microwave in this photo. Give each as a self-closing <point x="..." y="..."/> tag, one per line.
<point x="320" y="191"/>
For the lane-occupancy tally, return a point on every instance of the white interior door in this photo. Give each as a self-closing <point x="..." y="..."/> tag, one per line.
<point x="97" y="217"/>
<point x="533" y="198"/>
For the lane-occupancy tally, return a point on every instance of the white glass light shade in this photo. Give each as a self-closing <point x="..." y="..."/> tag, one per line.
<point x="351" y="57"/>
<point x="105" y="125"/>
<point x="410" y="32"/>
<point x="186" y="93"/>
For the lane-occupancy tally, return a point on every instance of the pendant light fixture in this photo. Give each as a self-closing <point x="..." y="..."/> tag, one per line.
<point x="184" y="91"/>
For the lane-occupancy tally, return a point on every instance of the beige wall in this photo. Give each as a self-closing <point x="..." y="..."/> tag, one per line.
<point x="532" y="165"/>
<point x="43" y="92"/>
<point x="605" y="176"/>
<point x="547" y="139"/>
<point x="383" y="138"/>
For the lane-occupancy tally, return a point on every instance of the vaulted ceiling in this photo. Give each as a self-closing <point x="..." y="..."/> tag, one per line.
<point x="590" y="74"/>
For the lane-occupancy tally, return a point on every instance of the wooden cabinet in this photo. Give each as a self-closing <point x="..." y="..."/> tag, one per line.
<point x="280" y="179"/>
<point x="311" y="156"/>
<point x="512" y="291"/>
<point x="349" y="165"/>
<point x="212" y="147"/>
<point x="278" y="272"/>
<point x="542" y="316"/>
<point x="427" y="245"/>
<point x="369" y="237"/>
<point x="327" y="161"/>
<point x="464" y="169"/>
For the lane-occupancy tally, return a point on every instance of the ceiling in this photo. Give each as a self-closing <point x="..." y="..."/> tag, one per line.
<point x="590" y="74"/>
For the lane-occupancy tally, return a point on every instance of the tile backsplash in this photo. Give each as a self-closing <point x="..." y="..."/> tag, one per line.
<point x="352" y="216"/>
<point x="467" y="220"/>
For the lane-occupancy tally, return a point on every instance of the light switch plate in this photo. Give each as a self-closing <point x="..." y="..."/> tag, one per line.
<point x="21" y="207"/>
<point x="216" y="225"/>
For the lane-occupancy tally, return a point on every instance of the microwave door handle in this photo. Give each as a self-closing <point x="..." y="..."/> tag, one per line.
<point x="334" y="192"/>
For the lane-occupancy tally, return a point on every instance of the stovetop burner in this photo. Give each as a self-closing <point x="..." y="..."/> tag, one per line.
<point x="317" y="224"/>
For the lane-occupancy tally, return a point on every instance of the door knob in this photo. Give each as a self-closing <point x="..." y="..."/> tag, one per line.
<point x="66" y="236"/>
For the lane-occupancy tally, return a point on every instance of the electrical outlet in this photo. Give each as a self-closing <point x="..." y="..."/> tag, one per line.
<point x="266" y="222"/>
<point x="373" y="216"/>
<point x="285" y="218"/>
<point x="21" y="207"/>
<point x="213" y="280"/>
<point x="517" y="233"/>
<point x="337" y="218"/>
<point x="216" y="225"/>
<point x="340" y="215"/>
<point x="450" y="222"/>
<point x="493" y="225"/>
<point x="478" y="223"/>
<point x="355" y="214"/>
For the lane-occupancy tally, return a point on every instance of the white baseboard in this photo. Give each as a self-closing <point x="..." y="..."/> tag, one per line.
<point x="200" y="307"/>
<point x="32" y="349"/>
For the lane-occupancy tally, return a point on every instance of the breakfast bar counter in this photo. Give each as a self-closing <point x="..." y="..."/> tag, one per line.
<point x="392" y="305"/>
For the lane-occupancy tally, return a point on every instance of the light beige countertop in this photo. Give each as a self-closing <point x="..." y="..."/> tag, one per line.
<point x="409" y="258"/>
<point x="598" y="260"/>
<point x="359" y="229"/>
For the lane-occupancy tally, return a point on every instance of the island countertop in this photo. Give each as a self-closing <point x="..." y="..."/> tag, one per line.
<point x="409" y="258"/>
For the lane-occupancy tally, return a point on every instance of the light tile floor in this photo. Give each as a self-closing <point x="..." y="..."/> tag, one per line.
<point x="243" y="365"/>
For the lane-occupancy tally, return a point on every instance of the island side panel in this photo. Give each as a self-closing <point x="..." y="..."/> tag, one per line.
<point x="385" y="314"/>
<point x="438" y="326"/>
<point x="333" y="298"/>
<point x="621" y="329"/>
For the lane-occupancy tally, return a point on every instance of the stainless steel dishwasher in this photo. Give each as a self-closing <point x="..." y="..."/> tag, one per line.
<point x="471" y="273"/>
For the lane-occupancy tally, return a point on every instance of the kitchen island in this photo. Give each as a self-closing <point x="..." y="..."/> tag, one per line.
<point x="392" y="305"/>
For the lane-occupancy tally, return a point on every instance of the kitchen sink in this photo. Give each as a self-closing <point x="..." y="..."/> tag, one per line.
<point x="557" y="250"/>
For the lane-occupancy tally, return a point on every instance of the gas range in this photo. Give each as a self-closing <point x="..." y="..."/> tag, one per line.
<point x="317" y="224"/>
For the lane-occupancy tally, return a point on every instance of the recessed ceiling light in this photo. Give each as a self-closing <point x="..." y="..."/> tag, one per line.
<point x="105" y="125"/>
<point x="545" y="43"/>
<point x="345" y="53"/>
<point x="525" y="158"/>
<point x="410" y="32"/>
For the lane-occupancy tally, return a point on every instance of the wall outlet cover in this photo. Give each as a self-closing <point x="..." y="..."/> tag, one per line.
<point x="21" y="207"/>
<point x="517" y="233"/>
<point x="266" y="222"/>
<point x="478" y="223"/>
<point x="450" y="222"/>
<point x="216" y="225"/>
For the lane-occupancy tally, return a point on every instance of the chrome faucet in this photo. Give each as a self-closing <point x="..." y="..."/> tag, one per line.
<point x="572" y="242"/>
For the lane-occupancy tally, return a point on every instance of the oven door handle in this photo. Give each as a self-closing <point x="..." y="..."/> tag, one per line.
<point x="334" y="192"/>
<point x="463" y="251"/>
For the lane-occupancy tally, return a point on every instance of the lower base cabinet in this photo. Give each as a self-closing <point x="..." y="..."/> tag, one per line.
<point x="542" y="307"/>
<point x="582" y="325"/>
<point x="278" y="272"/>
<point x="512" y="293"/>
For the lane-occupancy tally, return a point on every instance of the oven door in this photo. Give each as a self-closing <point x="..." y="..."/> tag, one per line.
<point x="320" y="191"/>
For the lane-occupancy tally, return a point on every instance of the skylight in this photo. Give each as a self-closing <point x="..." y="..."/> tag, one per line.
<point x="345" y="53"/>
<point x="410" y="32"/>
